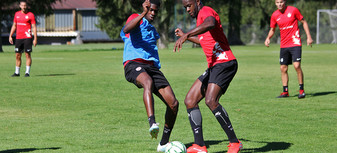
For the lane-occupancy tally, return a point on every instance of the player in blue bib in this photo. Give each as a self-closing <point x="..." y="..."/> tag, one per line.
<point x="141" y="67"/>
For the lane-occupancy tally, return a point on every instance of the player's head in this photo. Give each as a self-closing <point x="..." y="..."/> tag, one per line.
<point x="192" y="7"/>
<point x="153" y="10"/>
<point x="280" y="4"/>
<point x="23" y="5"/>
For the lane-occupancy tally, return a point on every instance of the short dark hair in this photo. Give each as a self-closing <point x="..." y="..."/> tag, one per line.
<point x="22" y="1"/>
<point x="157" y="2"/>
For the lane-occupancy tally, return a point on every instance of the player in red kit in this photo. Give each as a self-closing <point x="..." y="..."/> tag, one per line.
<point x="213" y="83"/>
<point x="287" y="17"/>
<point x="23" y="22"/>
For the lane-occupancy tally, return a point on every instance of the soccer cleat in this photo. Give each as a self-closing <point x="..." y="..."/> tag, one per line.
<point x="27" y="75"/>
<point x="154" y="130"/>
<point x="301" y="95"/>
<point x="196" y="149"/>
<point x="234" y="147"/>
<point x="162" y="148"/>
<point x="15" y="75"/>
<point x="283" y="95"/>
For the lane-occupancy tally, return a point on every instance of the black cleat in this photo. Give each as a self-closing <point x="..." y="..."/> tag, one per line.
<point x="15" y="75"/>
<point x="27" y="75"/>
<point x="283" y="95"/>
<point x="301" y="95"/>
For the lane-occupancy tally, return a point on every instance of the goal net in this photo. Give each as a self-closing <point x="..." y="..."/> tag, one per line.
<point x="326" y="26"/>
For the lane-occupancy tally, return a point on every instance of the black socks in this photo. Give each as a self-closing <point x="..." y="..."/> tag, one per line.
<point x="222" y="117"/>
<point x="194" y="115"/>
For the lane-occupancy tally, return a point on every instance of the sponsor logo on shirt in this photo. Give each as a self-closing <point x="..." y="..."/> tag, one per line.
<point x="278" y="19"/>
<point x="289" y="27"/>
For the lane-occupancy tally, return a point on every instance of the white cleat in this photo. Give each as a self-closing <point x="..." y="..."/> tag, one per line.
<point x="162" y="148"/>
<point x="154" y="130"/>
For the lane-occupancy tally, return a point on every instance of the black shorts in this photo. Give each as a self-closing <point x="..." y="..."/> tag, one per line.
<point x="221" y="74"/>
<point x="291" y="54"/>
<point x="23" y="45"/>
<point x="133" y="69"/>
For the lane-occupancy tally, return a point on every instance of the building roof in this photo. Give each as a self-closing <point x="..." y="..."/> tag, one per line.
<point x="74" y="4"/>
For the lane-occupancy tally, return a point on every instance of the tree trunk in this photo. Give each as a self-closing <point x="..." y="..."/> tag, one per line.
<point x="234" y="17"/>
<point x="0" y="29"/>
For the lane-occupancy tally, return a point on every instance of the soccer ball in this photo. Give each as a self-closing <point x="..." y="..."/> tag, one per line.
<point x="175" y="147"/>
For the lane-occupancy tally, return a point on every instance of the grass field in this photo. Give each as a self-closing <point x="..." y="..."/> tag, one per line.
<point x="77" y="100"/>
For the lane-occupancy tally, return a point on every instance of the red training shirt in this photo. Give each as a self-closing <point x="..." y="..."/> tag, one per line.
<point x="288" y="24"/>
<point x="23" y="24"/>
<point x="214" y="42"/>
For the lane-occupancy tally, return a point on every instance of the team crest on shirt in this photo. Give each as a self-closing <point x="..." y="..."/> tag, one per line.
<point x="26" y="16"/>
<point x="289" y="15"/>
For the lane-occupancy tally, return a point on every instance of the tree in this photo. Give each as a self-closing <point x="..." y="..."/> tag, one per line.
<point x="35" y="6"/>
<point x="232" y="8"/>
<point x="114" y="13"/>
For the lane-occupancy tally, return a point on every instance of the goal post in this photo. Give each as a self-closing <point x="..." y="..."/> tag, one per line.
<point x="326" y="30"/>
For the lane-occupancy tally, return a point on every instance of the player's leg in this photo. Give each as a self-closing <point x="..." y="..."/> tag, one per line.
<point x="285" y="60"/>
<point x="18" y="53"/>
<point x="221" y="76"/>
<point x="28" y="51"/>
<point x="167" y="96"/>
<point x="298" y="69"/>
<point x="297" y="57"/>
<point x="193" y="97"/>
<point x="17" y="64"/>
<point x="212" y="97"/>
<point x="28" y="63"/>
<point x="135" y="73"/>
<point x="145" y="81"/>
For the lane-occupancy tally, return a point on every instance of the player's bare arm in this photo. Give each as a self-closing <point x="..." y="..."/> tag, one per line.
<point x="194" y="39"/>
<point x="307" y="32"/>
<point x="11" y="33"/>
<point x="35" y="35"/>
<point x="270" y="34"/>
<point x="135" y="22"/>
<point x="208" y="24"/>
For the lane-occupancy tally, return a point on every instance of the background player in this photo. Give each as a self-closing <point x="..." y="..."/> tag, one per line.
<point x="141" y="66"/>
<point x="287" y="17"/>
<point x="23" y="22"/>
<point x="222" y="67"/>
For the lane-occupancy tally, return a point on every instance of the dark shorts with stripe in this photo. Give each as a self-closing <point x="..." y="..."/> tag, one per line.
<point x="23" y="45"/>
<point x="132" y="69"/>
<point x="291" y="54"/>
<point x="221" y="74"/>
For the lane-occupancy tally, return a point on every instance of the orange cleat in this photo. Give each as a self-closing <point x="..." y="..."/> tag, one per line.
<point x="234" y="147"/>
<point x="283" y="95"/>
<point x="196" y="149"/>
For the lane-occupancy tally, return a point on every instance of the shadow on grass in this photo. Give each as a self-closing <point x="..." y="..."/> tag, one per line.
<point x="319" y="93"/>
<point x="42" y="75"/>
<point x="322" y="93"/>
<point x="28" y="150"/>
<point x="270" y="146"/>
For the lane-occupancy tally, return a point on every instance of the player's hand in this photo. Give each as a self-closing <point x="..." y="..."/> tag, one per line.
<point x="34" y="42"/>
<point x="178" y="32"/>
<point x="309" y="42"/>
<point x="10" y="40"/>
<point x="179" y="42"/>
<point x="267" y="42"/>
<point x="146" y="6"/>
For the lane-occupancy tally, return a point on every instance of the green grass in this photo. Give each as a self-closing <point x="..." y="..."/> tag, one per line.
<point x="77" y="100"/>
